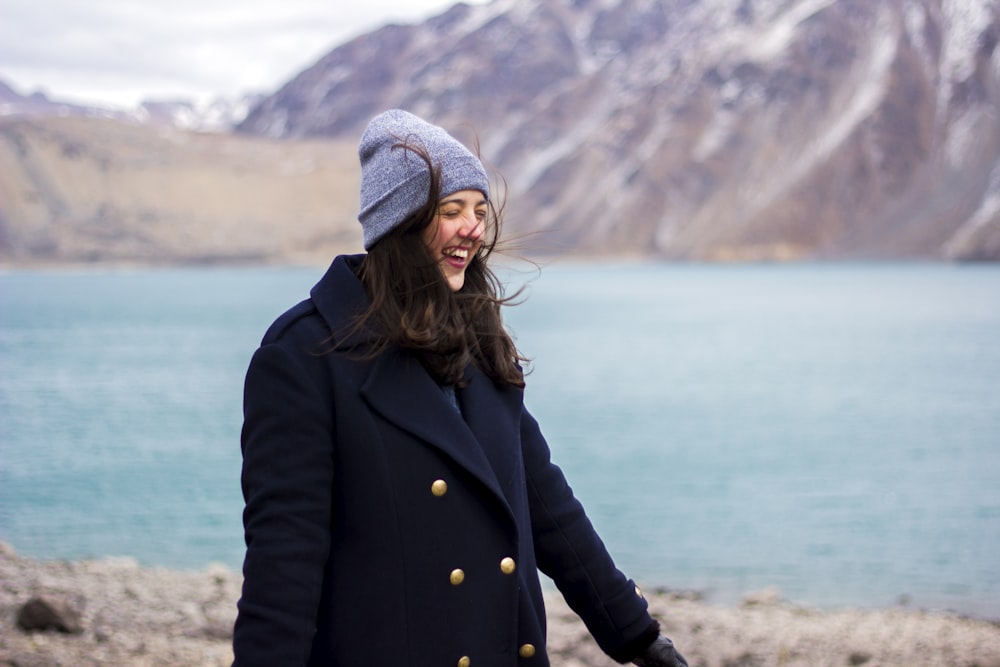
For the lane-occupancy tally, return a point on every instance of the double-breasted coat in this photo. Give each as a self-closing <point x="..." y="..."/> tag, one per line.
<point x="386" y="528"/>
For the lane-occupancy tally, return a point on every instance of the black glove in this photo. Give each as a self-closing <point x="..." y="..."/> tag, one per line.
<point x="661" y="653"/>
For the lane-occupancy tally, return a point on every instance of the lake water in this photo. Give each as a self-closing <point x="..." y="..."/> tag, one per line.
<point x="829" y="430"/>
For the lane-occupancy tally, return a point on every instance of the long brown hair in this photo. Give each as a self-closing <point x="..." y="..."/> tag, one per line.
<point x="413" y="307"/>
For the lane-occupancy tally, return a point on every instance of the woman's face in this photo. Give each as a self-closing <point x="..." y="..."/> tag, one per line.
<point x="456" y="233"/>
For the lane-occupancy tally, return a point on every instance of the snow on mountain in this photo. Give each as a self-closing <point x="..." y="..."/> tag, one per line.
<point x="217" y="115"/>
<point x="718" y="129"/>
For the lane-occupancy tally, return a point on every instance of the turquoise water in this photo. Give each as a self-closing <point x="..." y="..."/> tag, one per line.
<point x="830" y="430"/>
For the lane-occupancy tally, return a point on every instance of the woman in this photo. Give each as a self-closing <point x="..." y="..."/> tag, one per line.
<point x="399" y="497"/>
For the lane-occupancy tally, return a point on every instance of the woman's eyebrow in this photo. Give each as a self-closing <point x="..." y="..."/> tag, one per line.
<point x="460" y="200"/>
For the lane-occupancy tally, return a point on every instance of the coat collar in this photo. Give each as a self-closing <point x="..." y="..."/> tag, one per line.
<point x="340" y="298"/>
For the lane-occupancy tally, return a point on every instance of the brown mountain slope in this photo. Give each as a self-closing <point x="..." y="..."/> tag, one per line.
<point x="79" y="189"/>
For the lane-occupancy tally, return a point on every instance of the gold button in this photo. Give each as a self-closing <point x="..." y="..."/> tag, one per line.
<point x="457" y="577"/>
<point x="526" y="651"/>
<point x="464" y="661"/>
<point x="638" y="592"/>
<point x="439" y="487"/>
<point x="507" y="565"/>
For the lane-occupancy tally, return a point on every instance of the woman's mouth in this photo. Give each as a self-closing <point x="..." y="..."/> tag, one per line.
<point x="456" y="256"/>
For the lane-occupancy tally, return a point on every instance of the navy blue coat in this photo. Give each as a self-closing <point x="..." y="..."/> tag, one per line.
<point x="385" y="529"/>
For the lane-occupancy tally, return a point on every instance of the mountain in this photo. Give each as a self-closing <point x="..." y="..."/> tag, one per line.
<point x="686" y="129"/>
<point x="681" y="129"/>
<point x="13" y="103"/>
<point x="166" y="183"/>
<point x="218" y="115"/>
<point x="85" y="189"/>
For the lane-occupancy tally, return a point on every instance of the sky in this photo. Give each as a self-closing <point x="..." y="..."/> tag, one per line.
<point x="120" y="52"/>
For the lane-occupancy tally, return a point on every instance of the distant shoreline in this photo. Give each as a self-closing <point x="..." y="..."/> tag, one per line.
<point x="170" y="618"/>
<point x="499" y="260"/>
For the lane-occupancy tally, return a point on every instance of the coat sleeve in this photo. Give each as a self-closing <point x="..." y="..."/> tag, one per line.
<point x="569" y="551"/>
<point x="287" y="479"/>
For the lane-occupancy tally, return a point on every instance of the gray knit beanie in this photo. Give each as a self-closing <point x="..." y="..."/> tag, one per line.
<point x="394" y="181"/>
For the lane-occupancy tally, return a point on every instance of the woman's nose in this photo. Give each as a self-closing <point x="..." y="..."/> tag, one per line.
<point x="472" y="228"/>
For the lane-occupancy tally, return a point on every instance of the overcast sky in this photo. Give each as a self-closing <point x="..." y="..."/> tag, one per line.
<point x="118" y="52"/>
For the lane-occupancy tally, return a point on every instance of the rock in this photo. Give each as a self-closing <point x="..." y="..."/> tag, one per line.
<point x="762" y="598"/>
<point x="744" y="660"/>
<point x="216" y="630"/>
<point x="46" y="614"/>
<point x="30" y="660"/>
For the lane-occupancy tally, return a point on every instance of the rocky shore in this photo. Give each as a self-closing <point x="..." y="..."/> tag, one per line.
<point x="114" y="613"/>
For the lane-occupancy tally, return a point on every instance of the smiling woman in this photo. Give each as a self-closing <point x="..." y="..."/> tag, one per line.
<point x="400" y="499"/>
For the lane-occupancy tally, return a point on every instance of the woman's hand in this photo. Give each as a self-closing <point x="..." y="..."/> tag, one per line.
<point x="661" y="653"/>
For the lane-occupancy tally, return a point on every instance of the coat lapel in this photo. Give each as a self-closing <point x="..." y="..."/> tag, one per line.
<point x="494" y="416"/>
<point x="402" y="392"/>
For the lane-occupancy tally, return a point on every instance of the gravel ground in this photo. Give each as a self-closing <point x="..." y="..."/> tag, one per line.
<point x="149" y="617"/>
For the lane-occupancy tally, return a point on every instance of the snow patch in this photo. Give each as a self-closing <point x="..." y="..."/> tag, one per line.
<point x="542" y="159"/>
<point x="772" y="43"/>
<point x="988" y="210"/>
<point x="962" y="137"/>
<point x="870" y="91"/>
<point x="965" y="21"/>
<point x="483" y="14"/>
<point x="714" y="137"/>
<point x="725" y="118"/>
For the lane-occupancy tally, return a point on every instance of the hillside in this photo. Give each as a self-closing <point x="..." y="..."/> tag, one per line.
<point x="88" y="190"/>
